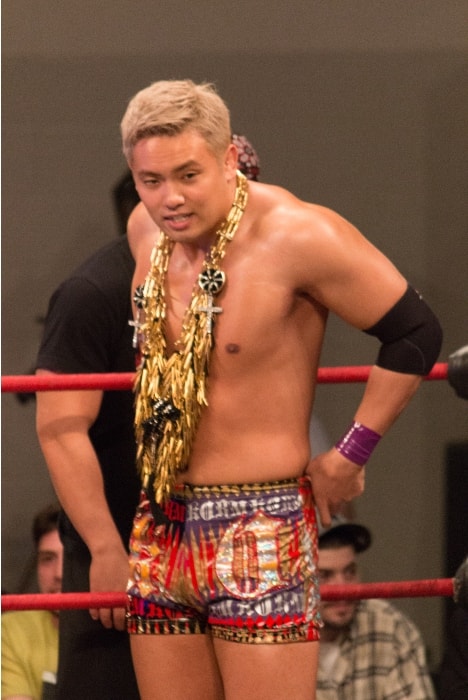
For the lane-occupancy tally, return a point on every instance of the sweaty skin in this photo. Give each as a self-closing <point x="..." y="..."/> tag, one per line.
<point x="288" y="264"/>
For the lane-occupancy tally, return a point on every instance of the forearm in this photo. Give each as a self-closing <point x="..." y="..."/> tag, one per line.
<point x="76" y="475"/>
<point x="386" y="395"/>
<point x="338" y="475"/>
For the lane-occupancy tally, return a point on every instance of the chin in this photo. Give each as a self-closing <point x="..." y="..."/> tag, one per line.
<point x="338" y="619"/>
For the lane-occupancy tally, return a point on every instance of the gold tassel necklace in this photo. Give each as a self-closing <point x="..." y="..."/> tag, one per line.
<point x="170" y="391"/>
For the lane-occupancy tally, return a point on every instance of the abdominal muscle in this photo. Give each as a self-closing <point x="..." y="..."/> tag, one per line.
<point x="254" y="458"/>
<point x="251" y="434"/>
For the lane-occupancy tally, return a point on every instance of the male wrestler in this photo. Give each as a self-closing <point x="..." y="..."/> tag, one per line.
<point x="223" y="588"/>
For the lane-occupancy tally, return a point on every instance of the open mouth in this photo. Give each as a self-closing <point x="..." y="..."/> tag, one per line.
<point x="177" y="219"/>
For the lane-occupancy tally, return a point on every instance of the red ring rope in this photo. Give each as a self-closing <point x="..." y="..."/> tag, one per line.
<point x="124" y="380"/>
<point x="73" y="601"/>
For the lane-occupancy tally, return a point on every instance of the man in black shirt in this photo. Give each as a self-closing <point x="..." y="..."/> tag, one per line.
<point x="88" y="443"/>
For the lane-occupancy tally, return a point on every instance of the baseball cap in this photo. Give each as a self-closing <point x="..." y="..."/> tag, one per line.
<point x="344" y="531"/>
<point x="248" y="161"/>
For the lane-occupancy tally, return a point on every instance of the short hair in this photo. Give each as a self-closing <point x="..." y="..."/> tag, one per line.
<point x="125" y="199"/>
<point x="337" y="540"/>
<point x="342" y="533"/>
<point x="169" y="107"/>
<point x="44" y="522"/>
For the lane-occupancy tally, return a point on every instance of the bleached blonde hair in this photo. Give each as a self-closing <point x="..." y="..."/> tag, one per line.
<point x="169" y="107"/>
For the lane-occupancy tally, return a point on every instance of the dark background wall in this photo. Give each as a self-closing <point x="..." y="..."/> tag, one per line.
<point x="361" y="106"/>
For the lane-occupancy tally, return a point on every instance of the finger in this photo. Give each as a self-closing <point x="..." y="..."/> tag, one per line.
<point x="324" y="513"/>
<point x="105" y="615"/>
<point x="94" y="612"/>
<point x="118" y="615"/>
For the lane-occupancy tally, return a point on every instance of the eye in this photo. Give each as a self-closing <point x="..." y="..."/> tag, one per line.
<point x="150" y="181"/>
<point x="350" y="573"/>
<point x="46" y="558"/>
<point x="323" y="575"/>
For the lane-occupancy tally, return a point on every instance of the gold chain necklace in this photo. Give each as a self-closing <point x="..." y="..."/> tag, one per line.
<point x="170" y="391"/>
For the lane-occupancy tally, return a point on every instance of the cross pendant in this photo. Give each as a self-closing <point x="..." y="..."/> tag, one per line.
<point x="209" y="310"/>
<point x="136" y="327"/>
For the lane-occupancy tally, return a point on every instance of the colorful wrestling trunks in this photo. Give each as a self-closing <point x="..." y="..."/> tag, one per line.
<point x="238" y="560"/>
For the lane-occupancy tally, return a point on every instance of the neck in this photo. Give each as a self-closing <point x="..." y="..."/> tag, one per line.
<point x="55" y="617"/>
<point x="192" y="253"/>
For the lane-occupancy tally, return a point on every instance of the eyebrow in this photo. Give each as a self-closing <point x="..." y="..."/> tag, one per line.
<point x="350" y="566"/>
<point x="188" y="164"/>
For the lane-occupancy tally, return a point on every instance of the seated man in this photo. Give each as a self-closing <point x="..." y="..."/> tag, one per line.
<point x="30" y="637"/>
<point x="368" y="649"/>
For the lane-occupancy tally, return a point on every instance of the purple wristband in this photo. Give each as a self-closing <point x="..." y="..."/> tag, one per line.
<point x="358" y="443"/>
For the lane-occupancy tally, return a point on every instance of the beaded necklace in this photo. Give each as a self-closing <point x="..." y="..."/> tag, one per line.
<point x="170" y="391"/>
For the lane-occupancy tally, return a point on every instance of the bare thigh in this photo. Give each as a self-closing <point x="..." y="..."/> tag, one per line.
<point x="268" y="671"/>
<point x="176" y="667"/>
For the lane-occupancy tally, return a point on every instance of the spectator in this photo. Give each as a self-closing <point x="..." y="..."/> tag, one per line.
<point x="30" y="637"/>
<point x="368" y="649"/>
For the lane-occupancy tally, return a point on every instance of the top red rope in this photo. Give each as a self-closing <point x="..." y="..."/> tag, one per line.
<point x="118" y="381"/>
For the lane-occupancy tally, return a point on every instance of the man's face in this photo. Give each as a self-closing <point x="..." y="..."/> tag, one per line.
<point x="337" y="566"/>
<point x="187" y="189"/>
<point x="50" y="563"/>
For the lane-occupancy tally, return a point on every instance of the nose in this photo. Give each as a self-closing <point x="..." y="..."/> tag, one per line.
<point x="59" y="568"/>
<point x="337" y="579"/>
<point x="173" y="197"/>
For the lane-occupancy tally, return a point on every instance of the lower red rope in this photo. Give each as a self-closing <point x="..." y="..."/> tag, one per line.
<point x="73" y="601"/>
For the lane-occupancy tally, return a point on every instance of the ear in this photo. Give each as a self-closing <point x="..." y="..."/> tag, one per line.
<point x="230" y="161"/>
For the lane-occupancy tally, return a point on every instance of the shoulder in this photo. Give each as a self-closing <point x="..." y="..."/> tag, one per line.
<point x="379" y="608"/>
<point x="89" y="310"/>
<point x="107" y="273"/>
<point x="386" y="616"/>
<point x="25" y="622"/>
<point x="142" y="232"/>
<point x="311" y="241"/>
<point x="114" y="256"/>
<point x="275" y="209"/>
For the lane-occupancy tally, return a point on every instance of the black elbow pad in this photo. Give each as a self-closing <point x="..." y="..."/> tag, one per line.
<point x="410" y="334"/>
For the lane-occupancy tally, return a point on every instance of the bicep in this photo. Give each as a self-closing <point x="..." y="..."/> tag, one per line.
<point x="350" y="276"/>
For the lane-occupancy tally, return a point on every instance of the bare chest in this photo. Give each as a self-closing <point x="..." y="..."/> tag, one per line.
<point x="255" y="314"/>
